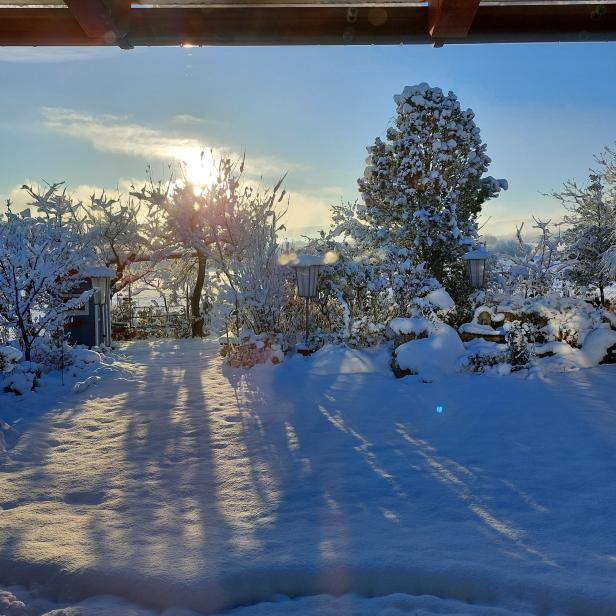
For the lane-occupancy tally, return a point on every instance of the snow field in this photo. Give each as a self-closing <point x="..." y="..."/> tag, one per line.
<point x="181" y="485"/>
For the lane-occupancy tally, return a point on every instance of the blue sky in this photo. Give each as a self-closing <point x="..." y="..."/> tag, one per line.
<point x="95" y="117"/>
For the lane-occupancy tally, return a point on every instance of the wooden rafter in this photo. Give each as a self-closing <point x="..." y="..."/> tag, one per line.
<point x="106" y="20"/>
<point x="302" y="25"/>
<point x="451" y="18"/>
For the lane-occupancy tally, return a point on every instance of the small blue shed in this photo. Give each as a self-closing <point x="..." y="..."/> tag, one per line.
<point x="90" y="325"/>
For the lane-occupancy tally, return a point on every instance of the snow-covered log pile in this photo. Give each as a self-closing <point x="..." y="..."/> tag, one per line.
<point x="554" y="318"/>
<point x="252" y="349"/>
<point x="542" y="334"/>
<point x="572" y="331"/>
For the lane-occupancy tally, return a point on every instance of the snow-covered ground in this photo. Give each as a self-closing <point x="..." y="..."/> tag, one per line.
<point x="320" y="486"/>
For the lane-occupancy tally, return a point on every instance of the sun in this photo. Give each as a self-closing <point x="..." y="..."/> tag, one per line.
<point x="198" y="167"/>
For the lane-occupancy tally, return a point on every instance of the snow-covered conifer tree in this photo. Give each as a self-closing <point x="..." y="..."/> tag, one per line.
<point x="423" y="186"/>
<point x="591" y="221"/>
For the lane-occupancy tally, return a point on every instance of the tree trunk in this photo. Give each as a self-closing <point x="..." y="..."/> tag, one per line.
<point x="195" y="301"/>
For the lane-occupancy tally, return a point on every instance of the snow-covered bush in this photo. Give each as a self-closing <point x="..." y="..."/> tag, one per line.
<point x="518" y="343"/>
<point x="40" y="261"/>
<point x="116" y="226"/>
<point x="22" y="379"/>
<point x="532" y="269"/>
<point x="250" y="266"/>
<point x="371" y="282"/>
<point x="250" y="349"/>
<point x="52" y="353"/>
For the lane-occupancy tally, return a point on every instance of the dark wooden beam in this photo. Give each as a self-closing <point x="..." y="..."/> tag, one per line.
<point x="451" y="18"/>
<point x="107" y="20"/>
<point x="276" y="25"/>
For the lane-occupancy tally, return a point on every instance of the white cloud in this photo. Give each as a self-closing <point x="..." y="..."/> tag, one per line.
<point x="186" y="118"/>
<point x="309" y="211"/>
<point x="117" y="134"/>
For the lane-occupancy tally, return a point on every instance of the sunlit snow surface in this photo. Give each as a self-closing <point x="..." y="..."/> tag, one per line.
<point x="175" y="484"/>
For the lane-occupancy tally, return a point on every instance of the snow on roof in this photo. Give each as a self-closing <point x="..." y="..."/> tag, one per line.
<point x="477" y="253"/>
<point x="98" y="272"/>
<point x="477" y="329"/>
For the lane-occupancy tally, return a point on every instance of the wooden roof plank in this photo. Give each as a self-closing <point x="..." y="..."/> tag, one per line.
<point x="312" y="25"/>
<point x="451" y="18"/>
<point x="107" y="20"/>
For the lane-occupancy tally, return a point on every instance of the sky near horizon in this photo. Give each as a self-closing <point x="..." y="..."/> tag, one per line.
<point x="96" y="117"/>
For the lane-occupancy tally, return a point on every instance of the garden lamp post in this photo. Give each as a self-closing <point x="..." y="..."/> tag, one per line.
<point x="475" y="264"/>
<point x="307" y="269"/>
<point x="100" y="278"/>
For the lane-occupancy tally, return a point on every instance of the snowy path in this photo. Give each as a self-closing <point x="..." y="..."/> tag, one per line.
<point x="183" y="485"/>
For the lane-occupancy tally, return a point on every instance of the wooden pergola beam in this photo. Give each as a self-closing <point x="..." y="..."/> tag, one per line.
<point x="314" y="25"/>
<point x="107" y="20"/>
<point x="451" y="18"/>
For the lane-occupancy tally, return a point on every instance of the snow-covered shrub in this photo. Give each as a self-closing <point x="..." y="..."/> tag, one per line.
<point x="533" y="269"/>
<point x="24" y="378"/>
<point x="519" y="350"/>
<point x="250" y="349"/>
<point x="52" y="353"/>
<point x="370" y="283"/>
<point x="9" y="356"/>
<point x="84" y="357"/>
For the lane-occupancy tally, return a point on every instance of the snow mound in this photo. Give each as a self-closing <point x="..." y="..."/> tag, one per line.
<point x="20" y="381"/>
<point x="9" y="356"/>
<point x="333" y="359"/>
<point x="441" y="300"/>
<point x="411" y="325"/>
<point x="566" y="358"/>
<point x="597" y="343"/>
<point x="476" y="328"/>
<point x="83" y="385"/>
<point x="432" y="357"/>
<point x="397" y="604"/>
<point x="85" y="356"/>
<point x="18" y="602"/>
